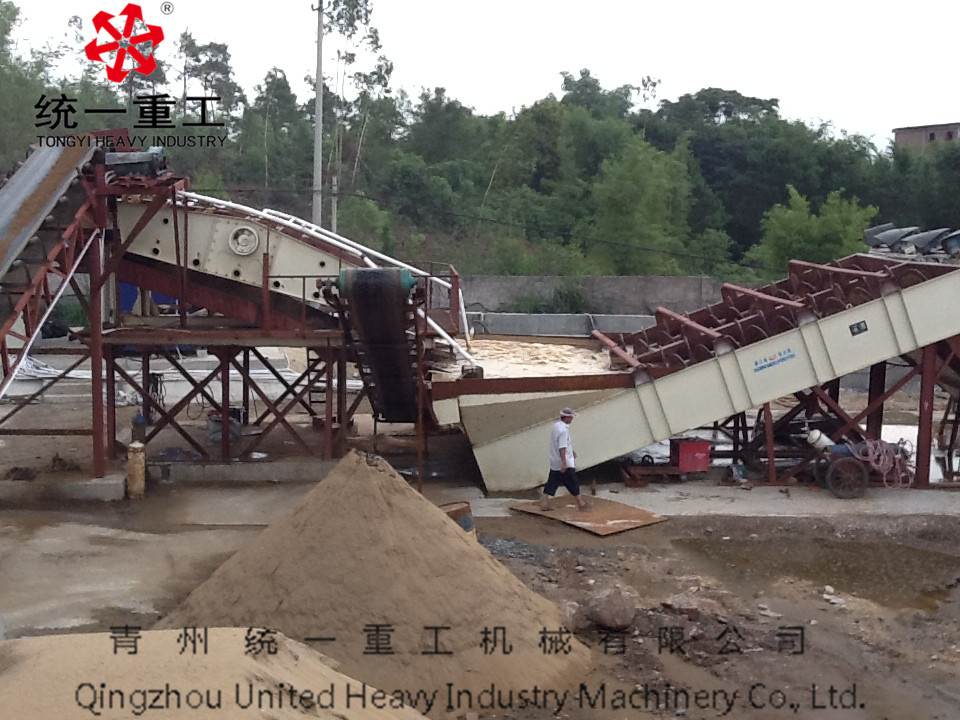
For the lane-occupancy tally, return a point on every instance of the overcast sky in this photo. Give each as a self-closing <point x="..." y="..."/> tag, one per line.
<point x="865" y="67"/>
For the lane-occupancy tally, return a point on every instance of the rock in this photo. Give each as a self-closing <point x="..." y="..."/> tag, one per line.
<point x="579" y="568"/>
<point x="769" y="614"/>
<point x="828" y="589"/>
<point x="693" y="607"/>
<point x="613" y="608"/>
<point x="574" y="618"/>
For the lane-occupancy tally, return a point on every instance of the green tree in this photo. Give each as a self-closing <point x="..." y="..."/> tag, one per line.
<point x="642" y="199"/>
<point x="793" y="231"/>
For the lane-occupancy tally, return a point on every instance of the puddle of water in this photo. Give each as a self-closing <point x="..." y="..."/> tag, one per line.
<point x="895" y="576"/>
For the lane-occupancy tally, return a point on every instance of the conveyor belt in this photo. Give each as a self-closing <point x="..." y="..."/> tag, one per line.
<point x="28" y="197"/>
<point x="380" y="317"/>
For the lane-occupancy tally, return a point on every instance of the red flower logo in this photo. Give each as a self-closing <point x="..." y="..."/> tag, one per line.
<point x="125" y="43"/>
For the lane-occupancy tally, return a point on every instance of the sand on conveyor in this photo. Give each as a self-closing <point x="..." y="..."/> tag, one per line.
<point x="71" y="677"/>
<point x="509" y="358"/>
<point x="363" y="548"/>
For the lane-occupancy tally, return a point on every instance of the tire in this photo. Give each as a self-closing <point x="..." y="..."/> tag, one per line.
<point x="847" y="478"/>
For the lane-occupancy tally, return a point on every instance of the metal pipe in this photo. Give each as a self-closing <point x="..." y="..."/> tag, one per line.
<point x="339" y="242"/>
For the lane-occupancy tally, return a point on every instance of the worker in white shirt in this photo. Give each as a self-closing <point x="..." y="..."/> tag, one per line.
<point x="563" y="460"/>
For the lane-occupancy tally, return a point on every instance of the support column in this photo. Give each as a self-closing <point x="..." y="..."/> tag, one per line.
<point x="342" y="419"/>
<point x="246" y="386"/>
<point x="145" y="408"/>
<point x="328" y="407"/>
<point x="928" y="380"/>
<point x="96" y="355"/>
<point x="224" y="404"/>
<point x="878" y="385"/>
<point x="771" y="451"/>
<point x="111" y="404"/>
<point x="833" y="389"/>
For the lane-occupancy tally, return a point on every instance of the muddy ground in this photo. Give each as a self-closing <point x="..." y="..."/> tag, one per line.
<point x="884" y="644"/>
<point x="729" y="594"/>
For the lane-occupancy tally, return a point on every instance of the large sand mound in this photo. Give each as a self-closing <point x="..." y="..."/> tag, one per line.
<point x="363" y="548"/>
<point x="69" y="677"/>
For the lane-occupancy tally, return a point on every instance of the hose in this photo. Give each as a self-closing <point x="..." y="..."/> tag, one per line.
<point x="887" y="460"/>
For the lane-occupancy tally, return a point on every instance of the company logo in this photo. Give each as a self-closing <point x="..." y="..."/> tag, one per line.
<point x="113" y="53"/>
<point x="773" y="359"/>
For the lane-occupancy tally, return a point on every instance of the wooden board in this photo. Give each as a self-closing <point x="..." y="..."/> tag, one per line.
<point x="606" y="517"/>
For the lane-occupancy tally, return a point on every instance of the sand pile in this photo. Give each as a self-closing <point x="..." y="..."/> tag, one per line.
<point x="79" y="676"/>
<point x="364" y="549"/>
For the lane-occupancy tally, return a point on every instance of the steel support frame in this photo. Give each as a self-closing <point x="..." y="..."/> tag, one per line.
<point x="279" y="413"/>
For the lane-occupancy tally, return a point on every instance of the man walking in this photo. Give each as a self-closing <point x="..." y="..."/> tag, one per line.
<point x="562" y="463"/>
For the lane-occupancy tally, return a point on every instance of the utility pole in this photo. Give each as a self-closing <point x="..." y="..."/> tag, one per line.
<point x="334" y="197"/>
<point x="318" y="126"/>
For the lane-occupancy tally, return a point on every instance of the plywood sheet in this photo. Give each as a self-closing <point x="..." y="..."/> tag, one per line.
<point x="605" y="517"/>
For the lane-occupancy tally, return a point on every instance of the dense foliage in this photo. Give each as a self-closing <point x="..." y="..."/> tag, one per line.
<point x="585" y="182"/>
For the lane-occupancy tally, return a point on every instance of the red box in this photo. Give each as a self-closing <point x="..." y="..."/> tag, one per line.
<point x="690" y="455"/>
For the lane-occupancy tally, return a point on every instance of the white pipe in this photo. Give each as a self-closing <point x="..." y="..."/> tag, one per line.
<point x="334" y="237"/>
<point x="442" y="333"/>
<point x="8" y="380"/>
<point x="340" y="242"/>
<point x="463" y="319"/>
<point x="261" y="214"/>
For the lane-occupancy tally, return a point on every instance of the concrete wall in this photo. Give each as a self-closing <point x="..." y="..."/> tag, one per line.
<point x="556" y="325"/>
<point x="607" y="295"/>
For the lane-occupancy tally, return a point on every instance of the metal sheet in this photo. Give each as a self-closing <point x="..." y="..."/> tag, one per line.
<point x="606" y="517"/>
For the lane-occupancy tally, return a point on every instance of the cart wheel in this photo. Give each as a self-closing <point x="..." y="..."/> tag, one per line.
<point x="646" y="460"/>
<point x="847" y="478"/>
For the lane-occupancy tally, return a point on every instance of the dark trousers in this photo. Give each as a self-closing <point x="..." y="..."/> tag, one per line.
<point x="567" y="478"/>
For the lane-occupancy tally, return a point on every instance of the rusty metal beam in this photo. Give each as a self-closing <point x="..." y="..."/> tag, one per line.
<point x="239" y="337"/>
<point x="878" y="384"/>
<point x="728" y="291"/>
<point x="279" y="415"/>
<point x="96" y="355"/>
<point x="616" y="349"/>
<point x="850" y="423"/>
<point x="168" y="417"/>
<point x="928" y="381"/>
<point x="771" y="449"/>
<point x="225" y="356"/>
<point x="22" y="403"/>
<point x="288" y="388"/>
<point x="493" y="386"/>
<point x="198" y="388"/>
<point x="116" y="257"/>
<point x="668" y="316"/>
<point x="328" y="450"/>
<point x="796" y="266"/>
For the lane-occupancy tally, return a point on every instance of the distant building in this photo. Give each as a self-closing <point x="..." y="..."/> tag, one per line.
<point x="919" y="137"/>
